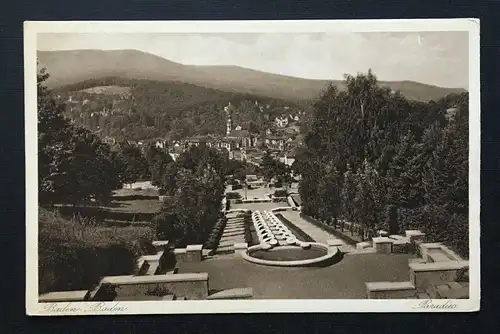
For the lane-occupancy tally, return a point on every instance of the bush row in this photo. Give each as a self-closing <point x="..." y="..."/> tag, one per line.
<point x="215" y="235"/>
<point x="233" y="195"/>
<point x="280" y="193"/>
<point x="75" y="253"/>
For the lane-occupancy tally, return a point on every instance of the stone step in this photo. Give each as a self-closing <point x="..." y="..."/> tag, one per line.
<point x="239" y="237"/>
<point x="455" y="291"/>
<point x="242" y="231"/>
<point x="231" y="233"/>
<point x="233" y="237"/>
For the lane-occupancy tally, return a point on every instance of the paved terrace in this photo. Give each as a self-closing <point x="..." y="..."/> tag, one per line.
<point x="344" y="280"/>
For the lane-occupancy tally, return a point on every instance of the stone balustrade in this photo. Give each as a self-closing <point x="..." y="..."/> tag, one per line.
<point x="424" y="274"/>
<point x="192" y="285"/>
<point x="382" y="245"/>
<point x="390" y="290"/>
<point x="64" y="296"/>
<point x="237" y="293"/>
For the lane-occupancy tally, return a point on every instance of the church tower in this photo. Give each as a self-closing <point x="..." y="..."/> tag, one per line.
<point x="228" y="126"/>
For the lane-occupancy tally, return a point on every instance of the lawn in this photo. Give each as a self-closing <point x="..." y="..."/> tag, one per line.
<point x="344" y="280"/>
<point x="128" y="206"/>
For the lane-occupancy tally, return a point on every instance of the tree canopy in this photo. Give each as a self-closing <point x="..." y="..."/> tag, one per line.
<point x="194" y="185"/>
<point x="74" y="165"/>
<point x="382" y="161"/>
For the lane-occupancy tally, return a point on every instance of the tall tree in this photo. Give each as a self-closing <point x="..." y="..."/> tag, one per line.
<point x="74" y="164"/>
<point x="268" y="166"/>
<point x="136" y="165"/>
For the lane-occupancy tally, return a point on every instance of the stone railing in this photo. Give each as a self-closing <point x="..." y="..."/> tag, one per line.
<point x="422" y="275"/>
<point x="64" y="296"/>
<point x="390" y="290"/>
<point x="437" y="252"/>
<point x="238" y="293"/>
<point x="192" y="285"/>
<point x="432" y="276"/>
<point x="192" y="253"/>
<point x="147" y="284"/>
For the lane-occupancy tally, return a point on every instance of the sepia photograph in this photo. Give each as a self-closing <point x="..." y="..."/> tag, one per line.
<point x="252" y="166"/>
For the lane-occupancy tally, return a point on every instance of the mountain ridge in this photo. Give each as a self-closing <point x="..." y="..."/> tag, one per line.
<point x="72" y="66"/>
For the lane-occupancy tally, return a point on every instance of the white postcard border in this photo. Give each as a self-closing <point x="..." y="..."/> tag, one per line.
<point x="33" y="307"/>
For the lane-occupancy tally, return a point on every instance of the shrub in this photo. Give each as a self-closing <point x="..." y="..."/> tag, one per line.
<point x="232" y="182"/>
<point x="233" y="195"/>
<point x="75" y="253"/>
<point x="280" y="193"/>
<point x="462" y="275"/>
<point x="213" y="239"/>
<point x="409" y="248"/>
<point x="248" y="229"/>
<point x="237" y="186"/>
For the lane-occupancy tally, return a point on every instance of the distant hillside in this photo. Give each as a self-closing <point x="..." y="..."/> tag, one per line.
<point x="69" y="67"/>
<point x="146" y="109"/>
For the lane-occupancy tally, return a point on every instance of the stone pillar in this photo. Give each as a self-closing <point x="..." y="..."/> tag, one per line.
<point x="160" y="245"/>
<point x="415" y="235"/>
<point x="193" y="253"/>
<point x="382" y="245"/>
<point x="180" y="255"/>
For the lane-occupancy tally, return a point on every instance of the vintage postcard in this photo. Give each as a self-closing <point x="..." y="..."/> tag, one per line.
<point x="252" y="166"/>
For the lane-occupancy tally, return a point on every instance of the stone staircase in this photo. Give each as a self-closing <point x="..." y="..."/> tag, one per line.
<point x="234" y="233"/>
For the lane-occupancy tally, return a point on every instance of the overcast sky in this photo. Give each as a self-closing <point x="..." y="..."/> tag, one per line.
<point x="437" y="58"/>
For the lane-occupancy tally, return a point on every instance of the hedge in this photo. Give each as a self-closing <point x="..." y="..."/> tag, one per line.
<point x="233" y="195"/>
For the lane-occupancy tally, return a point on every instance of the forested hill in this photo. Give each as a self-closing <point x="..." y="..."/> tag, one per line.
<point x="68" y="67"/>
<point x="146" y="109"/>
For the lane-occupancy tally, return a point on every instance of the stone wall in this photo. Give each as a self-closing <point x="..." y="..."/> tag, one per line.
<point x="390" y="290"/>
<point x="64" y="296"/>
<point x="192" y="286"/>
<point x="423" y="275"/>
<point x="238" y="293"/>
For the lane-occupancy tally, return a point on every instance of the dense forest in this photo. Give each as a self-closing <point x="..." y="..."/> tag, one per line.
<point x="144" y="109"/>
<point x="375" y="158"/>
